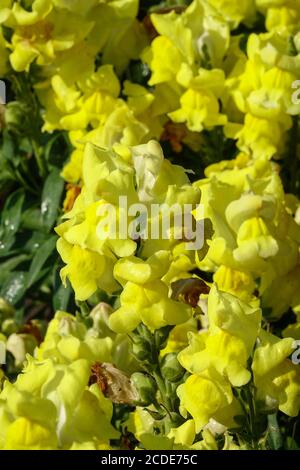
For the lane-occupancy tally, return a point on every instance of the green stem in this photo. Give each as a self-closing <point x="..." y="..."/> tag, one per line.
<point x="252" y="413"/>
<point x="160" y="383"/>
<point x="275" y="437"/>
<point x="39" y="159"/>
<point x="24" y="183"/>
<point x="29" y="177"/>
<point x="164" y="391"/>
<point x="152" y="367"/>
<point x="23" y="90"/>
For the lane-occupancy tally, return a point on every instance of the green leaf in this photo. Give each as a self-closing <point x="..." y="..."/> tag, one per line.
<point x="57" y="149"/>
<point x="291" y="444"/>
<point x="8" y="148"/>
<point x="38" y="261"/>
<point x="31" y="241"/>
<point x="11" y="215"/>
<point x="32" y="219"/>
<point x="62" y="294"/>
<point x="14" y="288"/>
<point x="12" y="263"/>
<point x="51" y="197"/>
<point x="10" y="220"/>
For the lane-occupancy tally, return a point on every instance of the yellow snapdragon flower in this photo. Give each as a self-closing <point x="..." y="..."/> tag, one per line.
<point x="90" y="241"/>
<point x="261" y="89"/>
<point x="49" y="28"/>
<point x="145" y="298"/>
<point x="256" y="235"/>
<point x="40" y="33"/>
<point x="208" y="396"/>
<point x="277" y="379"/>
<point x="281" y="15"/>
<point x="174" y="58"/>
<point x="228" y="343"/>
<point x="50" y="406"/>
<point x="199" y="104"/>
<point x="235" y="12"/>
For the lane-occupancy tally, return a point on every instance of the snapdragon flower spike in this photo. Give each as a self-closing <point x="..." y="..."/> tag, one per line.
<point x="256" y="236"/>
<point x="218" y="360"/>
<point x="91" y="242"/>
<point x="260" y="87"/>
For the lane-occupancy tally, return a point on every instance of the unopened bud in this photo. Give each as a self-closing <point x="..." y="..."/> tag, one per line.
<point x="171" y="369"/>
<point x="146" y="388"/>
<point x="141" y="349"/>
<point x="100" y="315"/>
<point x="16" y="115"/>
<point x="161" y="336"/>
<point x="6" y="310"/>
<point x="69" y="326"/>
<point x="19" y="345"/>
<point x="9" y="326"/>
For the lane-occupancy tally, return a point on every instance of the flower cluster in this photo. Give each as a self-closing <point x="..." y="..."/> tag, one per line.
<point x="183" y="283"/>
<point x="209" y="78"/>
<point x="96" y="251"/>
<point x="256" y="240"/>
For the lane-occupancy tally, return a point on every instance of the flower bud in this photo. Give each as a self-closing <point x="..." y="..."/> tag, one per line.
<point x="146" y="388"/>
<point x="215" y="427"/>
<point x="162" y="335"/>
<point x="171" y="369"/>
<point x="100" y="315"/>
<point x="16" y="115"/>
<point x="9" y="326"/>
<point x="6" y="310"/>
<point x="19" y="345"/>
<point x="141" y="349"/>
<point x="174" y="420"/>
<point x="3" y="338"/>
<point x="69" y="326"/>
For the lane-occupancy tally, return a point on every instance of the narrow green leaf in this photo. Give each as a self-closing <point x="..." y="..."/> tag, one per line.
<point x="61" y="297"/>
<point x="15" y="287"/>
<point x="32" y="241"/>
<point x="57" y="149"/>
<point x="32" y="219"/>
<point x="11" y="214"/>
<point x="291" y="444"/>
<point x="40" y="258"/>
<point x="10" y="220"/>
<point x="8" y="147"/>
<point x="12" y="263"/>
<point x="51" y="197"/>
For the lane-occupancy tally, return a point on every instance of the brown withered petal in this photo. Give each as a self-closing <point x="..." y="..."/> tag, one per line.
<point x="151" y="31"/>
<point x="174" y="133"/>
<point x="2" y="116"/>
<point x="73" y="192"/>
<point x="31" y="329"/>
<point x="189" y="290"/>
<point x="114" y="384"/>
